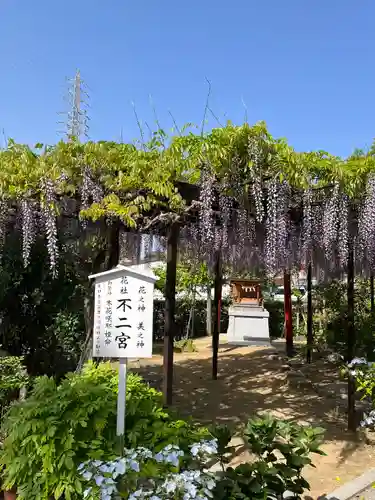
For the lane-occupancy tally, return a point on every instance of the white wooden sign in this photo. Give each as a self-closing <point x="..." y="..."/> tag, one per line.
<point x="123" y="320"/>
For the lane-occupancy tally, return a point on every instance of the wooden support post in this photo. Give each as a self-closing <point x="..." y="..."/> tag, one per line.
<point x="351" y="341"/>
<point x="372" y="294"/>
<point x="310" y="335"/>
<point x="288" y="314"/>
<point x="170" y="302"/>
<point x="217" y="314"/>
<point x="114" y="245"/>
<point x="209" y="312"/>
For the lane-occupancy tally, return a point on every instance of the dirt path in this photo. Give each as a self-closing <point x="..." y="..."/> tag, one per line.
<point x="252" y="381"/>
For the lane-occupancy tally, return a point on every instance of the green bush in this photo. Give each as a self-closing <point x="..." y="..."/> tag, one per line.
<point x="184" y="345"/>
<point x="13" y="377"/>
<point x="282" y="449"/>
<point x="276" y="319"/>
<point x="331" y="317"/>
<point x="60" y="426"/>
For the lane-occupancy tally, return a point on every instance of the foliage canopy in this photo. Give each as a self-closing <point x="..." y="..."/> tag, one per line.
<point x="136" y="179"/>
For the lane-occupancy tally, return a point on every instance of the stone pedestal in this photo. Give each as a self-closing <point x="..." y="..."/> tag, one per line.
<point x="248" y="325"/>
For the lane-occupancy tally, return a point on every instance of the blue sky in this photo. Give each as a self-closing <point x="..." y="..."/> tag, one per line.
<point x="306" y="67"/>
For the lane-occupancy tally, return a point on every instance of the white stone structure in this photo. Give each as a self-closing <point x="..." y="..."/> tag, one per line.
<point x="248" y="325"/>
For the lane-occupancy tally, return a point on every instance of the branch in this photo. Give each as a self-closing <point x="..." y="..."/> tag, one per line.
<point x="170" y="217"/>
<point x="206" y="106"/>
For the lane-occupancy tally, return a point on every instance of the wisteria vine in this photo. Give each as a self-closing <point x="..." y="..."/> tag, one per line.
<point x="248" y="219"/>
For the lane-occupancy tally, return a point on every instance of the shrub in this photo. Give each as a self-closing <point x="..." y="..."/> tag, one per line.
<point x="331" y="317"/>
<point x="184" y="345"/>
<point x="59" y="426"/>
<point x="282" y="450"/>
<point x="13" y="377"/>
<point x="363" y="372"/>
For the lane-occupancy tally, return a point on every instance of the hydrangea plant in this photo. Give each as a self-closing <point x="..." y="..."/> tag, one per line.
<point x="141" y="474"/>
<point x="364" y="373"/>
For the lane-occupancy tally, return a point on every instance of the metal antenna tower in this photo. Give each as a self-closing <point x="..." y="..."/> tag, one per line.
<point x="76" y="123"/>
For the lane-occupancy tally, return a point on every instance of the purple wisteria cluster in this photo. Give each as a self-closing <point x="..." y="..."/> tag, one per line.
<point x="49" y="217"/>
<point x="225" y="206"/>
<point x="28" y="229"/>
<point x="343" y="231"/>
<point x="307" y="226"/>
<point x="256" y="177"/>
<point x="271" y="243"/>
<point x="366" y="225"/>
<point x="257" y="221"/>
<point x="331" y="223"/>
<point x="90" y="189"/>
<point x="207" y="221"/>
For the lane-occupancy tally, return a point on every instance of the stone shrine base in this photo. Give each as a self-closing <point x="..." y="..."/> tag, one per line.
<point x="248" y="325"/>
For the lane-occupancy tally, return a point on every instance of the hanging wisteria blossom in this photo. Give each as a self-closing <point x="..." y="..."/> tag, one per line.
<point x="218" y="238"/>
<point x="225" y="206"/>
<point x="294" y="250"/>
<point x="270" y="249"/>
<point x="146" y="245"/>
<point x="256" y="178"/>
<point x="28" y="230"/>
<point x="241" y="230"/>
<point x="331" y="224"/>
<point x="307" y="229"/>
<point x="206" y="221"/>
<point x="366" y="225"/>
<point x="282" y="224"/>
<point x="91" y="191"/>
<point x="3" y="220"/>
<point x="343" y="237"/>
<point x="49" y="215"/>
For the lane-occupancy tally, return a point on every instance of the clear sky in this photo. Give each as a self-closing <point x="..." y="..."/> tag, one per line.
<point x="306" y="67"/>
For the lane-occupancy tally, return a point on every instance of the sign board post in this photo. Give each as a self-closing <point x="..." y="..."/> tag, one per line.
<point x="123" y="324"/>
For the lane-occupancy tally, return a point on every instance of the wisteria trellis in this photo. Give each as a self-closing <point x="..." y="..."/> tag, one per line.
<point x="251" y="206"/>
